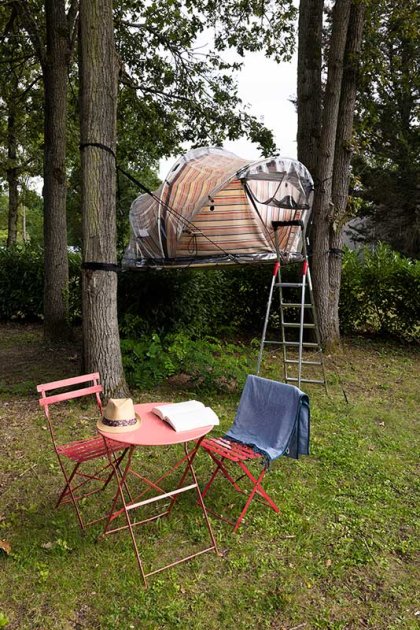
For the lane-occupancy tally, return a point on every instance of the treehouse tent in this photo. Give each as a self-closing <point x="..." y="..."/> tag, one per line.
<point x="216" y="208"/>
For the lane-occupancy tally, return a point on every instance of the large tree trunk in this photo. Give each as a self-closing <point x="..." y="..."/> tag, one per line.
<point x="309" y="85"/>
<point x="322" y="206"/>
<point x="12" y="179"/>
<point x="99" y="84"/>
<point x="55" y="70"/>
<point x="343" y="155"/>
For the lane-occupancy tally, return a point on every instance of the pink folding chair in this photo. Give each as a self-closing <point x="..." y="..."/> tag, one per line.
<point x="272" y="420"/>
<point x="76" y="457"/>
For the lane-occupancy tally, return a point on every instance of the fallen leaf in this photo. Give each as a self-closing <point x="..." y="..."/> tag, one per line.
<point x="48" y="545"/>
<point x="5" y="546"/>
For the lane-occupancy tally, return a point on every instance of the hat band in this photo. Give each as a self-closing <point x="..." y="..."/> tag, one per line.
<point x="118" y="423"/>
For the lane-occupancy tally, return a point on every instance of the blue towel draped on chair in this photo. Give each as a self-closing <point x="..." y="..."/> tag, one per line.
<point x="273" y="418"/>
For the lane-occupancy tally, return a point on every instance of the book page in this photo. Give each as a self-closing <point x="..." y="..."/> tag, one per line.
<point x="192" y="419"/>
<point x="188" y="405"/>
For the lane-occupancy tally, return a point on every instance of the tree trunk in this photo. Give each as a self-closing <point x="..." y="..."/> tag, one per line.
<point x="343" y="155"/>
<point x="99" y="84"/>
<point x="55" y="70"/>
<point x="322" y="206"/>
<point x="12" y="179"/>
<point x="309" y="85"/>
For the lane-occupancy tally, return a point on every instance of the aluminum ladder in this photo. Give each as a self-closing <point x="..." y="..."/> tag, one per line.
<point x="299" y="353"/>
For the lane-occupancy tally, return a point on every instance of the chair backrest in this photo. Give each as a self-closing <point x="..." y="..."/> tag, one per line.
<point x="73" y="390"/>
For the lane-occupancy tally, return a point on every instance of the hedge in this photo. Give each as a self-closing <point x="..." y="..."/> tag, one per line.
<point x="380" y="295"/>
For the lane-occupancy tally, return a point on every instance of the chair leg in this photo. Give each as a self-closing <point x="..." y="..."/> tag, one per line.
<point x="117" y="470"/>
<point x="250" y="497"/>
<point x="212" y="478"/>
<point x="220" y="467"/>
<point x="69" y="489"/>
<point x="258" y="488"/>
<point x="66" y="489"/>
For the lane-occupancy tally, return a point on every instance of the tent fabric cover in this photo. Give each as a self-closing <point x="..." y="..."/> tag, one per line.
<point x="216" y="208"/>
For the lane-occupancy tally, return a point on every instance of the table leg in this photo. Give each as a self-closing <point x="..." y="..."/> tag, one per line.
<point x="172" y="495"/>
<point x="120" y="493"/>
<point x="190" y="456"/>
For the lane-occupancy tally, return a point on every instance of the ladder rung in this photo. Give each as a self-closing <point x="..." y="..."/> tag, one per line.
<point x="297" y="325"/>
<point x="292" y="305"/>
<point x="305" y="344"/>
<point x="306" y="380"/>
<point x="289" y="285"/>
<point x="295" y="361"/>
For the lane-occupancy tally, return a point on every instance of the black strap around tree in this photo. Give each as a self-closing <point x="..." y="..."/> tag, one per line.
<point x="100" y="266"/>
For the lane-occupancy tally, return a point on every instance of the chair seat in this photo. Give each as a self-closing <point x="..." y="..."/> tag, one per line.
<point x="90" y="448"/>
<point x="233" y="451"/>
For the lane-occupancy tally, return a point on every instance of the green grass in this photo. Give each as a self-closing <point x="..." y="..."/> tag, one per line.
<point x="340" y="555"/>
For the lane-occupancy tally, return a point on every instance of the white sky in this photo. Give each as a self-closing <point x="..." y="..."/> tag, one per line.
<point x="267" y="87"/>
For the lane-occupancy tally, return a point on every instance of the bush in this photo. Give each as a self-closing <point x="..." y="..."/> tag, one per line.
<point x="380" y="292"/>
<point x="22" y="284"/>
<point x="205" y="362"/>
<point x="198" y="301"/>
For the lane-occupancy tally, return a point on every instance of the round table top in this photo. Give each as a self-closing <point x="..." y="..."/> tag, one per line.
<point x="153" y="431"/>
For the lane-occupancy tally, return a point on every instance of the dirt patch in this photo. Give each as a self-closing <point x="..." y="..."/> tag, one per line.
<point x="26" y="360"/>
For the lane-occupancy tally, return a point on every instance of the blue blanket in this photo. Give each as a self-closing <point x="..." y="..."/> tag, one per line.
<point x="273" y="418"/>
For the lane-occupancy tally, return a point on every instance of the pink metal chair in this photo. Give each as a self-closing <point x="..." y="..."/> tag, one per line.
<point x="74" y="457"/>
<point x="272" y="420"/>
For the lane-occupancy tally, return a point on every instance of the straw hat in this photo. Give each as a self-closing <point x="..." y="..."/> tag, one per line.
<point x="119" y="416"/>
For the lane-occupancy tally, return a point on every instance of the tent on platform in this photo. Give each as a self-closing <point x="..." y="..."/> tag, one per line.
<point x="215" y="208"/>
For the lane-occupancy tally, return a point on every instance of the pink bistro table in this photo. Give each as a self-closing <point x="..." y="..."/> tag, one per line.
<point x="155" y="432"/>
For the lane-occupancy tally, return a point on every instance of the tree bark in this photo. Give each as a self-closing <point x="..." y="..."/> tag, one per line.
<point x="12" y="179"/>
<point x="99" y="70"/>
<point x="343" y="155"/>
<point x="55" y="70"/>
<point x="322" y="206"/>
<point x="309" y="85"/>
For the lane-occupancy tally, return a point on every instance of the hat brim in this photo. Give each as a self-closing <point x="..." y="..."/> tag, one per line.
<point x="122" y="429"/>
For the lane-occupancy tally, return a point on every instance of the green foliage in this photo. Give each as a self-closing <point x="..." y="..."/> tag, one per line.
<point x="380" y="293"/>
<point x="22" y="284"/>
<point x="30" y="207"/>
<point x="205" y="362"/>
<point x="387" y="124"/>
<point x="186" y="91"/>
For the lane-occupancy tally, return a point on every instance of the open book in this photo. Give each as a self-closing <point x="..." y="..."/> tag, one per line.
<point x="187" y="415"/>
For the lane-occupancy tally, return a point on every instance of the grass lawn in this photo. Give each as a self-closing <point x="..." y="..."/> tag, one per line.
<point x="342" y="553"/>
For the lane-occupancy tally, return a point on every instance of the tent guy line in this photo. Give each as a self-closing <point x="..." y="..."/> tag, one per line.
<point x="110" y="266"/>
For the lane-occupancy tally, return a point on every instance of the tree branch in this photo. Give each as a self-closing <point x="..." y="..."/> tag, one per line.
<point x="31" y="28"/>
<point x="128" y="81"/>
